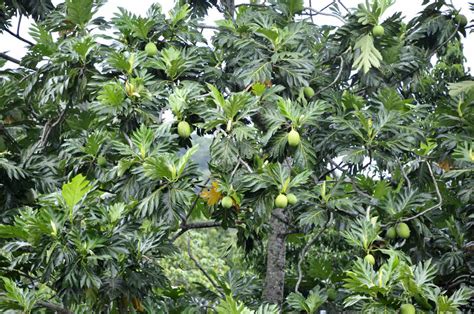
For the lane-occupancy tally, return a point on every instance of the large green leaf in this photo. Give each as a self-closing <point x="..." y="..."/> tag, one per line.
<point x="367" y="56"/>
<point x="75" y="190"/>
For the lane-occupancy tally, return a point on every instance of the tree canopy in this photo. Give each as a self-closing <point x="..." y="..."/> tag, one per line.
<point x="281" y="165"/>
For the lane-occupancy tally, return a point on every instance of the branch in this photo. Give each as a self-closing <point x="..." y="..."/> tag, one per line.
<point x="207" y="26"/>
<point x="19" y="37"/>
<point x="306" y="248"/>
<point x="50" y="125"/>
<point x="313" y="12"/>
<point x="336" y="79"/>
<point x="8" y="58"/>
<point x="354" y="186"/>
<point x="404" y="174"/>
<point x="195" y="225"/>
<point x="54" y="307"/>
<point x="246" y="165"/>
<point x="45" y="134"/>
<point x="202" y="269"/>
<point x="18" y="26"/>
<point x="440" y="198"/>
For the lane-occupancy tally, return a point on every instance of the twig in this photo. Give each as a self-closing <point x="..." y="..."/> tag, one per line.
<point x="8" y="58"/>
<point x="342" y="4"/>
<point x="320" y="12"/>
<point x="354" y="186"/>
<point x="19" y="37"/>
<point x="234" y="171"/>
<point x="202" y="269"/>
<point x="50" y="126"/>
<point x="306" y="248"/>
<point x="404" y="174"/>
<point x="18" y="26"/>
<point x="246" y="165"/>
<point x="440" y="198"/>
<point x="341" y="67"/>
<point x="45" y="134"/>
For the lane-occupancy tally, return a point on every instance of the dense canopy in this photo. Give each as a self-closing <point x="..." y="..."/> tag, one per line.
<point x="280" y="165"/>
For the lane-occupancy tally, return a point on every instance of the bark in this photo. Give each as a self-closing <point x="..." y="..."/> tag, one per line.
<point x="276" y="257"/>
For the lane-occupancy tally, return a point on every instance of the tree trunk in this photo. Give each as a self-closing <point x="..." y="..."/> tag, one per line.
<point x="276" y="255"/>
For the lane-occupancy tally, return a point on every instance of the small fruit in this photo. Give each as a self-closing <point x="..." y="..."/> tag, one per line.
<point x="378" y="30"/>
<point x="151" y="49"/>
<point x="391" y="233"/>
<point x="293" y="138"/>
<point x="407" y="308"/>
<point x="281" y="201"/>
<point x="461" y="19"/>
<point x="308" y="92"/>
<point x="101" y="161"/>
<point x="292" y="200"/>
<point x="332" y="294"/>
<point x="184" y="129"/>
<point x="227" y="202"/>
<point x="369" y="258"/>
<point x="403" y="230"/>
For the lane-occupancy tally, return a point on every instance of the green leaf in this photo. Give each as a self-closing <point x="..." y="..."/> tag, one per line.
<point x="75" y="190"/>
<point x="79" y="12"/>
<point x="367" y="55"/>
<point x="456" y="89"/>
<point x="181" y="165"/>
<point x="177" y="15"/>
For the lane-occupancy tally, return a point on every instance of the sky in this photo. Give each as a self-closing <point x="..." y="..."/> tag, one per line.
<point x="409" y="8"/>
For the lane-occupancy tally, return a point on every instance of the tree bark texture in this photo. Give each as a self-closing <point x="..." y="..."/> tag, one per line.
<point x="276" y="258"/>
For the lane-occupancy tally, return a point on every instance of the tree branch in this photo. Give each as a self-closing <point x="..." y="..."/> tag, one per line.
<point x="306" y="248"/>
<point x="195" y="225"/>
<point x="19" y="37"/>
<point x="404" y="174"/>
<point x="202" y="269"/>
<point x="8" y="58"/>
<point x="341" y="67"/>
<point x="438" y="193"/>
<point x="54" y="307"/>
<point x="314" y="12"/>
<point x="203" y="26"/>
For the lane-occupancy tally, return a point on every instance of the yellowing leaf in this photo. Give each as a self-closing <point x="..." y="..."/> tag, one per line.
<point x="212" y="195"/>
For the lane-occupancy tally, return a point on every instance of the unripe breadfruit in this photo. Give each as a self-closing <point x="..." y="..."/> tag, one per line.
<point x="292" y="200"/>
<point x="184" y="129"/>
<point x="403" y="230"/>
<point x="293" y="138"/>
<point x="407" y="308"/>
<point x="308" y="92"/>
<point x="369" y="258"/>
<point x="101" y="161"/>
<point x="378" y="30"/>
<point x="227" y="202"/>
<point x="461" y="19"/>
<point x="391" y="233"/>
<point x="281" y="201"/>
<point x="151" y="49"/>
<point x="332" y="294"/>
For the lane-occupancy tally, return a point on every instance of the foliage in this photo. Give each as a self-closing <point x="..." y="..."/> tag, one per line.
<point x="105" y="208"/>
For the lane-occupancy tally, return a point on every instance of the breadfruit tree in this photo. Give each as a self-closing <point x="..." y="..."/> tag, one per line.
<point x="334" y="162"/>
